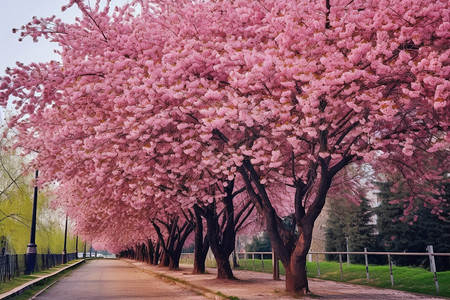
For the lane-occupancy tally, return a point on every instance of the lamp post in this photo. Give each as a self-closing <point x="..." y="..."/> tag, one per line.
<point x="32" y="247"/>
<point x="65" y="244"/>
<point x="76" y="248"/>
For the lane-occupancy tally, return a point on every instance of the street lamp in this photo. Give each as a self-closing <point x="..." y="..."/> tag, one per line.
<point x="65" y="244"/>
<point x="32" y="247"/>
<point x="76" y="248"/>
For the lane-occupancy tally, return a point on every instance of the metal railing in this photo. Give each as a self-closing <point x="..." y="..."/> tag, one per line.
<point x="14" y="265"/>
<point x="257" y="258"/>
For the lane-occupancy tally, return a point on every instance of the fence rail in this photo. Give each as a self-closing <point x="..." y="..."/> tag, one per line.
<point x="14" y="265"/>
<point x="258" y="258"/>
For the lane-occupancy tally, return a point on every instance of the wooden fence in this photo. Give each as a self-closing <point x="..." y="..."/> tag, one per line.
<point x="257" y="258"/>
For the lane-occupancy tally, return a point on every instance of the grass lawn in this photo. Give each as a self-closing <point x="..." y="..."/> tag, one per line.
<point x="18" y="281"/>
<point x="416" y="280"/>
<point x="409" y="279"/>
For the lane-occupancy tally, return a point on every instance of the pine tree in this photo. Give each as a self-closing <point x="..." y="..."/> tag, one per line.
<point x="352" y="221"/>
<point x="414" y="234"/>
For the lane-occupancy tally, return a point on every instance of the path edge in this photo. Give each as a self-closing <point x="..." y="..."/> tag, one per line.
<point x="22" y="288"/>
<point x="185" y="284"/>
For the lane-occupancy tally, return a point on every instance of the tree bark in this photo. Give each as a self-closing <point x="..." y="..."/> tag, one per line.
<point x="174" y="261"/>
<point x="151" y="251"/>
<point x="165" y="259"/>
<point x="224" y="268"/>
<point x="157" y="253"/>
<point x="173" y="246"/>
<point x="291" y="243"/>
<point x="221" y="241"/>
<point x="201" y="244"/>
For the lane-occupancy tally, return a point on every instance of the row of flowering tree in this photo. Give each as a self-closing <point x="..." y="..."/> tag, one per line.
<point x="161" y="114"/>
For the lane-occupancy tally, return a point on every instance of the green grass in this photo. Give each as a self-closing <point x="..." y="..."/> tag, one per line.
<point x="18" y="281"/>
<point x="409" y="279"/>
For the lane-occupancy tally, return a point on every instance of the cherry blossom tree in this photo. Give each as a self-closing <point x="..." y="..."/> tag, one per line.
<point x="162" y="100"/>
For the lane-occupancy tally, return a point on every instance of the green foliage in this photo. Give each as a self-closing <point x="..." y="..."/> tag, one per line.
<point x="416" y="280"/>
<point x="260" y="243"/>
<point x="16" y="202"/>
<point x="415" y="232"/>
<point x="349" y="220"/>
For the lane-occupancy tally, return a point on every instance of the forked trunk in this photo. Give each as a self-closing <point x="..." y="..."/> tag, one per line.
<point x="296" y="279"/>
<point x="224" y="268"/>
<point x="174" y="262"/>
<point x="201" y="245"/>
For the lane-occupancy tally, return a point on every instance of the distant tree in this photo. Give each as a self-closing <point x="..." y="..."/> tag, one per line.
<point x="411" y="233"/>
<point x="16" y="189"/>
<point x="349" y="220"/>
<point x="260" y="243"/>
<point x="277" y="91"/>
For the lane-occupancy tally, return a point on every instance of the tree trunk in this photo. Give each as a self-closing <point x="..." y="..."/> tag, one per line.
<point x="221" y="247"/>
<point x="199" y="265"/>
<point x="174" y="262"/>
<point x="201" y="245"/>
<point x="224" y="268"/>
<point x="296" y="279"/>
<point x="292" y="247"/>
<point x="157" y="253"/>
<point x="165" y="259"/>
<point x="151" y="251"/>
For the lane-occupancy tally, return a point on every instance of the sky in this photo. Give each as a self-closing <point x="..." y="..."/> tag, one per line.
<point x="14" y="14"/>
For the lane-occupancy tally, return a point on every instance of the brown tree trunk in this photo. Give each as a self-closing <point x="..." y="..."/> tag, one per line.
<point x="201" y="245"/>
<point x="174" y="262"/>
<point x="165" y="259"/>
<point x="292" y="242"/>
<point x="157" y="253"/>
<point x="222" y="245"/>
<point x="151" y="251"/>
<point x="224" y="268"/>
<point x="296" y="279"/>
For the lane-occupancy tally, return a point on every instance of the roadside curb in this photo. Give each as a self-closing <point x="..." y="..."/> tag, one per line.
<point x="20" y="289"/>
<point x="185" y="284"/>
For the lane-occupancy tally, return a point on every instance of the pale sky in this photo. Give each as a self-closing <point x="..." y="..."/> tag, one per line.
<point x="14" y="14"/>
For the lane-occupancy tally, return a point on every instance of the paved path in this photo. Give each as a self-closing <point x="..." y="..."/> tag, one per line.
<point x="114" y="279"/>
<point x="261" y="286"/>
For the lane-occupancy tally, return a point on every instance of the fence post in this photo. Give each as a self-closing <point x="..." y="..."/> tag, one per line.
<point x="253" y="258"/>
<point x="340" y="264"/>
<point x="390" y="269"/>
<point x="245" y="260"/>
<point x="433" y="266"/>
<point x="346" y="247"/>
<point x="262" y="261"/>
<point x="318" y="267"/>
<point x="367" y="264"/>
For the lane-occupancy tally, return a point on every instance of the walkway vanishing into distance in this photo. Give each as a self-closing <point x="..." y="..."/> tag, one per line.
<point x="114" y="279"/>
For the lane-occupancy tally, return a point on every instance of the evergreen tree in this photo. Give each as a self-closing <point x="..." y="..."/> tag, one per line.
<point x="414" y="233"/>
<point x="260" y="243"/>
<point x="352" y="221"/>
